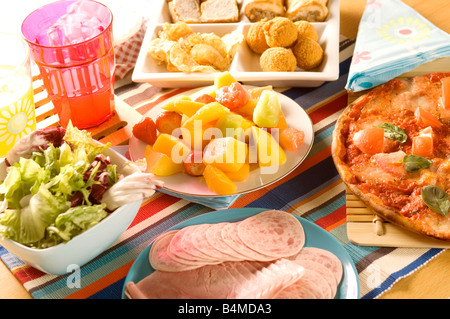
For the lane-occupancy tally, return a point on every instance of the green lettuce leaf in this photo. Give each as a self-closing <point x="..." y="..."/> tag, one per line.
<point x="12" y="188"/>
<point x="77" y="220"/>
<point x="31" y="223"/>
<point x="82" y="140"/>
<point x="68" y="181"/>
<point x="39" y="191"/>
<point x="10" y="224"/>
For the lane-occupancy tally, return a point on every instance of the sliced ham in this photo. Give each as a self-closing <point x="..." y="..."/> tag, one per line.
<point x="227" y="233"/>
<point x="262" y="256"/>
<point x="214" y="238"/>
<point x="324" y="273"/>
<point x="191" y="244"/>
<point x="229" y="280"/>
<point x="266" y="236"/>
<point x="230" y="236"/>
<point x="311" y="286"/>
<point x="324" y="257"/>
<point x="180" y="253"/>
<point x="203" y="245"/>
<point x="159" y="259"/>
<point x="272" y="233"/>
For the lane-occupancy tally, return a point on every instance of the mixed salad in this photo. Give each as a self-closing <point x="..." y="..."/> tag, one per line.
<point x="54" y="187"/>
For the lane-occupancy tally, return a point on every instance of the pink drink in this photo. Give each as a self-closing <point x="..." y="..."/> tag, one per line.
<point x="76" y="63"/>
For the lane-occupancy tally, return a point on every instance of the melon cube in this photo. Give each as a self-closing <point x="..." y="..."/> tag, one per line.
<point x="268" y="150"/>
<point x="223" y="79"/>
<point x="226" y="153"/>
<point x="161" y="164"/>
<point x="196" y="136"/>
<point x="170" y="105"/>
<point x="267" y="111"/>
<point x="187" y="107"/>
<point x="208" y="113"/>
<point x="234" y="125"/>
<point x="171" y="146"/>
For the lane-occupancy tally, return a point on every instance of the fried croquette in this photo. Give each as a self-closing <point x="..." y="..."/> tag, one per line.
<point x="308" y="52"/>
<point x="306" y="29"/>
<point x="278" y="59"/>
<point x="280" y="32"/>
<point x="205" y="54"/>
<point x="256" y="38"/>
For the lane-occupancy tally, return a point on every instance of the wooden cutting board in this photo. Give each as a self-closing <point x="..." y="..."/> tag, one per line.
<point x="364" y="228"/>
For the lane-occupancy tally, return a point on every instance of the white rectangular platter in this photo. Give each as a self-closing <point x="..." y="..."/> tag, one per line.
<point x="245" y="66"/>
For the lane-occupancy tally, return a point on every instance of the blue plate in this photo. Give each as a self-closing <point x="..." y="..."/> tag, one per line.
<point x="315" y="237"/>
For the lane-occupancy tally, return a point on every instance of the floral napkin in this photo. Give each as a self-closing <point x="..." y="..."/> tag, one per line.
<point x="392" y="39"/>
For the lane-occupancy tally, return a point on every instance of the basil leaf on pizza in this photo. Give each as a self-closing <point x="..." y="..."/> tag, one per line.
<point x="415" y="162"/>
<point x="436" y="198"/>
<point x="394" y="132"/>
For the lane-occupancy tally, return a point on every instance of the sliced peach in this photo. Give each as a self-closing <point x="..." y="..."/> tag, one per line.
<point x="172" y="147"/>
<point x="241" y="175"/>
<point x="218" y="181"/>
<point x="161" y="164"/>
<point x="282" y="124"/>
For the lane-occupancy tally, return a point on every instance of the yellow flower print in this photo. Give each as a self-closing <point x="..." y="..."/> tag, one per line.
<point x="17" y="120"/>
<point x="404" y="30"/>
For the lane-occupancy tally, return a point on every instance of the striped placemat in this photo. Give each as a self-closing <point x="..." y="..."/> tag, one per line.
<point x="314" y="191"/>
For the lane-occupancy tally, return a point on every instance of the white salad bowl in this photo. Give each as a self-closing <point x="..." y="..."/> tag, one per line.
<point x="65" y="257"/>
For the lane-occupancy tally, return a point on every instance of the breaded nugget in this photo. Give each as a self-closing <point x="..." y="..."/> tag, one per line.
<point x="256" y="39"/>
<point x="306" y="29"/>
<point x="280" y="32"/>
<point x="278" y="59"/>
<point x="308" y="52"/>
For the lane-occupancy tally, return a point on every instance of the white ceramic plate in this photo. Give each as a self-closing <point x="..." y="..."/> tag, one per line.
<point x="184" y="184"/>
<point x="245" y="66"/>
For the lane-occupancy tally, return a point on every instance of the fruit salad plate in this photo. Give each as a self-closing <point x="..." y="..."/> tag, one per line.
<point x="188" y="185"/>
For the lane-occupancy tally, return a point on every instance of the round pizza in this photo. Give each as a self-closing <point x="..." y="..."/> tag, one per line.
<point x="391" y="147"/>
